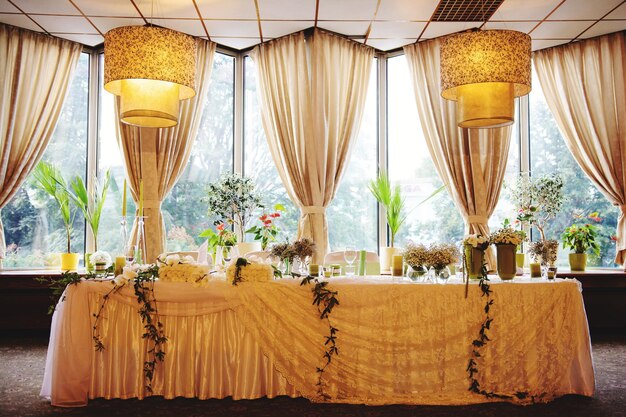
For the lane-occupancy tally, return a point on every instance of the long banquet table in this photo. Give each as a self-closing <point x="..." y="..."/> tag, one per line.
<point x="403" y="343"/>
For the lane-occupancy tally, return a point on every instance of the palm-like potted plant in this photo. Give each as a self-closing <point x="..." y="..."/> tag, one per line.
<point x="580" y="238"/>
<point x="391" y="199"/>
<point x="48" y="178"/>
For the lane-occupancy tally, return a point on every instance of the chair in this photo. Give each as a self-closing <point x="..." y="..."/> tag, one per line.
<point x="261" y="255"/>
<point x="372" y="262"/>
<point x="193" y="254"/>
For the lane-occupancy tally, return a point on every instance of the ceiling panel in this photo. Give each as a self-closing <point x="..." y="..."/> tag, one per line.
<point x="396" y="29"/>
<point x="189" y="26"/>
<point x="519" y="26"/>
<point x="182" y="9"/>
<point x="560" y="30"/>
<point x="387" y="44"/>
<point x="19" y="20"/>
<point x="107" y="8"/>
<point x="90" y="40"/>
<point x="406" y="10"/>
<point x="436" y="29"/>
<point x="47" y="6"/>
<point x="230" y="28"/>
<point x="546" y="43"/>
<point x="67" y="24"/>
<point x="237" y="43"/>
<point x="287" y="10"/>
<point x="619" y="13"/>
<point x="104" y="24"/>
<point x="227" y="9"/>
<point x="6" y="7"/>
<point x="604" y="27"/>
<point x="345" y="27"/>
<point x="275" y="29"/>
<point x="524" y="9"/>
<point x="584" y="9"/>
<point x="347" y="9"/>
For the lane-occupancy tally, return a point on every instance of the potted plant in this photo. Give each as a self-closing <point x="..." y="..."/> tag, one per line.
<point x="234" y="199"/>
<point x="268" y="230"/>
<point x="580" y="238"/>
<point x="48" y="178"/>
<point x="506" y="241"/>
<point x="393" y="203"/>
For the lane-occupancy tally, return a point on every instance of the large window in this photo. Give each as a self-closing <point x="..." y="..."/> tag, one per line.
<point x="410" y="165"/>
<point x="34" y="230"/>
<point x="549" y="154"/>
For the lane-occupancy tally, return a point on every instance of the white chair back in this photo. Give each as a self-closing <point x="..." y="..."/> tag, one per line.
<point x="262" y="255"/>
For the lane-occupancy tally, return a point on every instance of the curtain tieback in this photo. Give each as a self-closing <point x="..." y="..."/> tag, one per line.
<point x="477" y="219"/>
<point x="622" y="207"/>
<point x="152" y="204"/>
<point x="313" y="210"/>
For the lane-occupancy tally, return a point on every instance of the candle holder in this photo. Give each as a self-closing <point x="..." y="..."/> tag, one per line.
<point x="124" y="235"/>
<point x="140" y="241"/>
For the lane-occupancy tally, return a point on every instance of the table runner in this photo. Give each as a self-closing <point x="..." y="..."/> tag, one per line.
<point x="399" y="342"/>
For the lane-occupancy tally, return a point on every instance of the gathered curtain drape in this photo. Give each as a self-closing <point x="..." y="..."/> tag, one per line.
<point x="35" y="74"/>
<point x="159" y="156"/>
<point x="470" y="162"/>
<point x="585" y="87"/>
<point x="312" y="95"/>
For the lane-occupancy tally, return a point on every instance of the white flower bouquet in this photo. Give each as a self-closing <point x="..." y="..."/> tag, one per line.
<point x="101" y="259"/>
<point x="477" y="241"/>
<point x="506" y="236"/>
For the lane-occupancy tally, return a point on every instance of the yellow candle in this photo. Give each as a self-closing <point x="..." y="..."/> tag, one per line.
<point x="535" y="270"/>
<point x="124" y="200"/>
<point x="140" y="198"/>
<point x="120" y="263"/>
<point x="396" y="265"/>
<point x="314" y="269"/>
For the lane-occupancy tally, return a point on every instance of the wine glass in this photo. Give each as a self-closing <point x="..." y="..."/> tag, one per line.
<point x="130" y="254"/>
<point x="350" y="256"/>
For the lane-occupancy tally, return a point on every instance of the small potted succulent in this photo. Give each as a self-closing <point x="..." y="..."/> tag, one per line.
<point x="581" y="238"/>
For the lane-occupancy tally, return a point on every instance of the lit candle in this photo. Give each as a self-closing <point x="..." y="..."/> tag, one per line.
<point x="140" y="197"/>
<point x="120" y="263"/>
<point x="396" y="265"/>
<point x="124" y="200"/>
<point x="535" y="270"/>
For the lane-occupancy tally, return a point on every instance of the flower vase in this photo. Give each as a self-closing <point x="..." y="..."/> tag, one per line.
<point x="507" y="263"/>
<point x="416" y="273"/>
<point x="286" y="267"/>
<point x="441" y="273"/>
<point x="473" y="262"/>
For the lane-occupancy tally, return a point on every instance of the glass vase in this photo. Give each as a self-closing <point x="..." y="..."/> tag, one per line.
<point x="441" y="274"/>
<point x="140" y="241"/>
<point x="416" y="273"/>
<point x="124" y="235"/>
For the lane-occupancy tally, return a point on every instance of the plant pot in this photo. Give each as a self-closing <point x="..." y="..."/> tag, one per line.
<point x="577" y="261"/>
<point x="69" y="261"/>
<point x="520" y="259"/>
<point x="244" y="248"/>
<point x="474" y="260"/>
<point x="386" y="254"/>
<point x="507" y="267"/>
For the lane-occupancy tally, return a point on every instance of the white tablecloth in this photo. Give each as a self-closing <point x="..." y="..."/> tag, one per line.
<point x="398" y="342"/>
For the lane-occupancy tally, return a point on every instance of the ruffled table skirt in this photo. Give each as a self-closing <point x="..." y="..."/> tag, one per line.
<point x="398" y="343"/>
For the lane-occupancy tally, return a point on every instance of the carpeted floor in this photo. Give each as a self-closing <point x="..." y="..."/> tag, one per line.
<point x="22" y="362"/>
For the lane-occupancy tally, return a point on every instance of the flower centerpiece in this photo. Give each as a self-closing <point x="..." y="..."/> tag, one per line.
<point x="234" y="199"/>
<point x="506" y="241"/>
<point x="416" y="256"/>
<point x="101" y="260"/>
<point x="580" y="238"/>
<point x="286" y="254"/>
<point x="474" y="246"/>
<point x="439" y="256"/>
<point x="304" y="249"/>
<point x="268" y="230"/>
<point x="176" y="268"/>
<point x="544" y="252"/>
<point x="220" y="241"/>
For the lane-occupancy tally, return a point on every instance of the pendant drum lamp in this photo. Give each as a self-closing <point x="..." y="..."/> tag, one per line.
<point x="151" y="68"/>
<point x="483" y="71"/>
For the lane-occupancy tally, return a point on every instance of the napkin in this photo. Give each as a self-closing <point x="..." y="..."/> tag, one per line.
<point x="202" y="253"/>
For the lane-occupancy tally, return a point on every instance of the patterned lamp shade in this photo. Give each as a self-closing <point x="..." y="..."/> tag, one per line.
<point x="483" y="71"/>
<point x="151" y="69"/>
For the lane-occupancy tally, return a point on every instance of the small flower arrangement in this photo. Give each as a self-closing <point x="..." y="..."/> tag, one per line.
<point x="268" y="230"/>
<point x="544" y="251"/>
<point x="283" y="251"/>
<point x="221" y="236"/>
<point x="507" y="236"/>
<point x="174" y="259"/>
<point x="477" y="241"/>
<point x="304" y="248"/>
<point x="440" y="255"/>
<point x="581" y="238"/>
<point x="415" y="254"/>
<point x="101" y="259"/>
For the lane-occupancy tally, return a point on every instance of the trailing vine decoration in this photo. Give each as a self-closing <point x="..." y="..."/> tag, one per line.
<point x="240" y="263"/>
<point x="58" y="284"/>
<point x="325" y="300"/>
<point x="95" y="330"/>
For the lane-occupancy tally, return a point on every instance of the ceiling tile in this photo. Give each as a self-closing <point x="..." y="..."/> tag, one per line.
<point x="436" y="29"/>
<point x="227" y="9"/>
<point x="406" y="10"/>
<point x="189" y="26"/>
<point x="525" y="9"/>
<point x="107" y="23"/>
<point x="107" y="8"/>
<point x="47" y="6"/>
<point x="345" y="27"/>
<point x="560" y="30"/>
<point x="519" y="26"/>
<point x="583" y="9"/>
<point x="19" y="20"/>
<point x="274" y="29"/>
<point x="619" y="13"/>
<point x="396" y="29"/>
<point x="221" y="28"/>
<point x="546" y="43"/>
<point x="65" y="24"/>
<point x="167" y="8"/>
<point x="90" y="40"/>
<point x="347" y="9"/>
<point x="237" y="43"/>
<point x="603" y="27"/>
<point x="287" y="10"/>
<point x="387" y="44"/>
<point x="6" y="7"/>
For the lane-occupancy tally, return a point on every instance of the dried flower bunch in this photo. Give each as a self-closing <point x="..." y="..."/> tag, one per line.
<point x="507" y="236"/>
<point x="544" y="251"/>
<point x="415" y="254"/>
<point x="440" y="255"/>
<point x="304" y="248"/>
<point x="283" y="251"/>
<point x="477" y="241"/>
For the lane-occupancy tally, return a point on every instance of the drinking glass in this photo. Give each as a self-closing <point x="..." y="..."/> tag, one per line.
<point x="130" y="254"/>
<point x="350" y="255"/>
